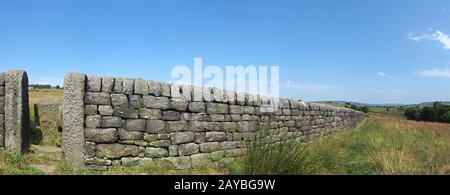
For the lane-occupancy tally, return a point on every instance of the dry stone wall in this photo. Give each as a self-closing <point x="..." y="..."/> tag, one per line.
<point x="14" y="111"/>
<point x="124" y="122"/>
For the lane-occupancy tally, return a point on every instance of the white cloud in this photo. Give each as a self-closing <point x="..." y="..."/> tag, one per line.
<point x="47" y="81"/>
<point x="437" y="36"/>
<point x="435" y="72"/>
<point x="382" y="74"/>
<point x="308" y="86"/>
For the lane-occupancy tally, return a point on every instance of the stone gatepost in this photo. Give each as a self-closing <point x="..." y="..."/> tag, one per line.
<point x="16" y="111"/>
<point x="73" y="118"/>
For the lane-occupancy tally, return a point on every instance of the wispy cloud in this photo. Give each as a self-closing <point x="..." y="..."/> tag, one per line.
<point x="381" y="74"/>
<point x="308" y="86"/>
<point x="436" y="72"/>
<point x="443" y="38"/>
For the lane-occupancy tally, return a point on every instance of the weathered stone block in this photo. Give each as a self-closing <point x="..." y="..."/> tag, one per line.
<point x="165" y="89"/>
<point x="119" y="100"/>
<point x="97" y="98"/>
<point x="125" y="112"/>
<point x="93" y="121"/>
<point x="105" y="110"/>
<point x="91" y="110"/>
<point x="150" y="137"/>
<point x="216" y="136"/>
<point x="196" y="106"/>
<point x="101" y="135"/>
<point x="171" y="116"/>
<point x="156" y="102"/>
<point x="90" y="149"/>
<point x="98" y="162"/>
<point x="115" y="151"/>
<point x="111" y="122"/>
<point x="216" y="108"/>
<point x="200" y="138"/>
<point x="164" y="136"/>
<point x="217" y="117"/>
<point x="135" y="161"/>
<point x="160" y="143"/>
<point x="182" y="137"/>
<point x="230" y="145"/>
<point x="135" y="101"/>
<point x="234" y="109"/>
<point x="151" y="114"/>
<point x="178" y="104"/>
<point x="118" y="83"/>
<point x="107" y="84"/>
<point x="130" y="135"/>
<point x="94" y="84"/>
<point x="154" y="88"/>
<point x="188" y="149"/>
<point x="135" y="125"/>
<point x="230" y="126"/>
<point x="73" y="137"/>
<point x="156" y="126"/>
<point x="141" y="87"/>
<point x="176" y="126"/>
<point x="209" y="147"/>
<point x="128" y="86"/>
<point x="173" y="150"/>
<point x="156" y="152"/>
<point x="2" y="90"/>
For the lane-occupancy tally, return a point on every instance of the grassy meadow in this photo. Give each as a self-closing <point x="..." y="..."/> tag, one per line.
<point x="384" y="144"/>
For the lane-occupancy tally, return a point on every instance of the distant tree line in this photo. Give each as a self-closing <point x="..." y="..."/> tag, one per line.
<point x="438" y="113"/>
<point x="364" y="109"/>
<point x="44" y="86"/>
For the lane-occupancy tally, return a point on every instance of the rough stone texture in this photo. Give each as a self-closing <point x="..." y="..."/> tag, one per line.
<point x="115" y="151"/>
<point x="107" y="84"/>
<point x="119" y="100"/>
<point x="188" y="149"/>
<point x="182" y="137"/>
<point x="125" y="112"/>
<point x="171" y="125"/>
<point x="111" y="122"/>
<point x="97" y="98"/>
<point x="151" y="114"/>
<point x="141" y="87"/>
<point x="156" y="126"/>
<point x="73" y="118"/>
<point x="156" y="102"/>
<point x="16" y="111"/>
<point x="156" y="152"/>
<point x="101" y="135"/>
<point x="130" y="135"/>
<point x="94" y="84"/>
<point x="105" y="110"/>
<point x="134" y="125"/>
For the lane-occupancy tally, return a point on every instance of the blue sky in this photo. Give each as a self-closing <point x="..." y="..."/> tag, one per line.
<point x="374" y="51"/>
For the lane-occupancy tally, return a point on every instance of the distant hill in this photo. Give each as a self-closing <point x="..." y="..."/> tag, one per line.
<point x="358" y="104"/>
<point x="420" y="105"/>
<point x="429" y="104"/>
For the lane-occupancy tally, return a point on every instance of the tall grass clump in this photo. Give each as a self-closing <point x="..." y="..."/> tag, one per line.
<point x="287" y="157"/>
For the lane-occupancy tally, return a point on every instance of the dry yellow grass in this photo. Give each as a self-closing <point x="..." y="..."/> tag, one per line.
<point x="39" y="94"/>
